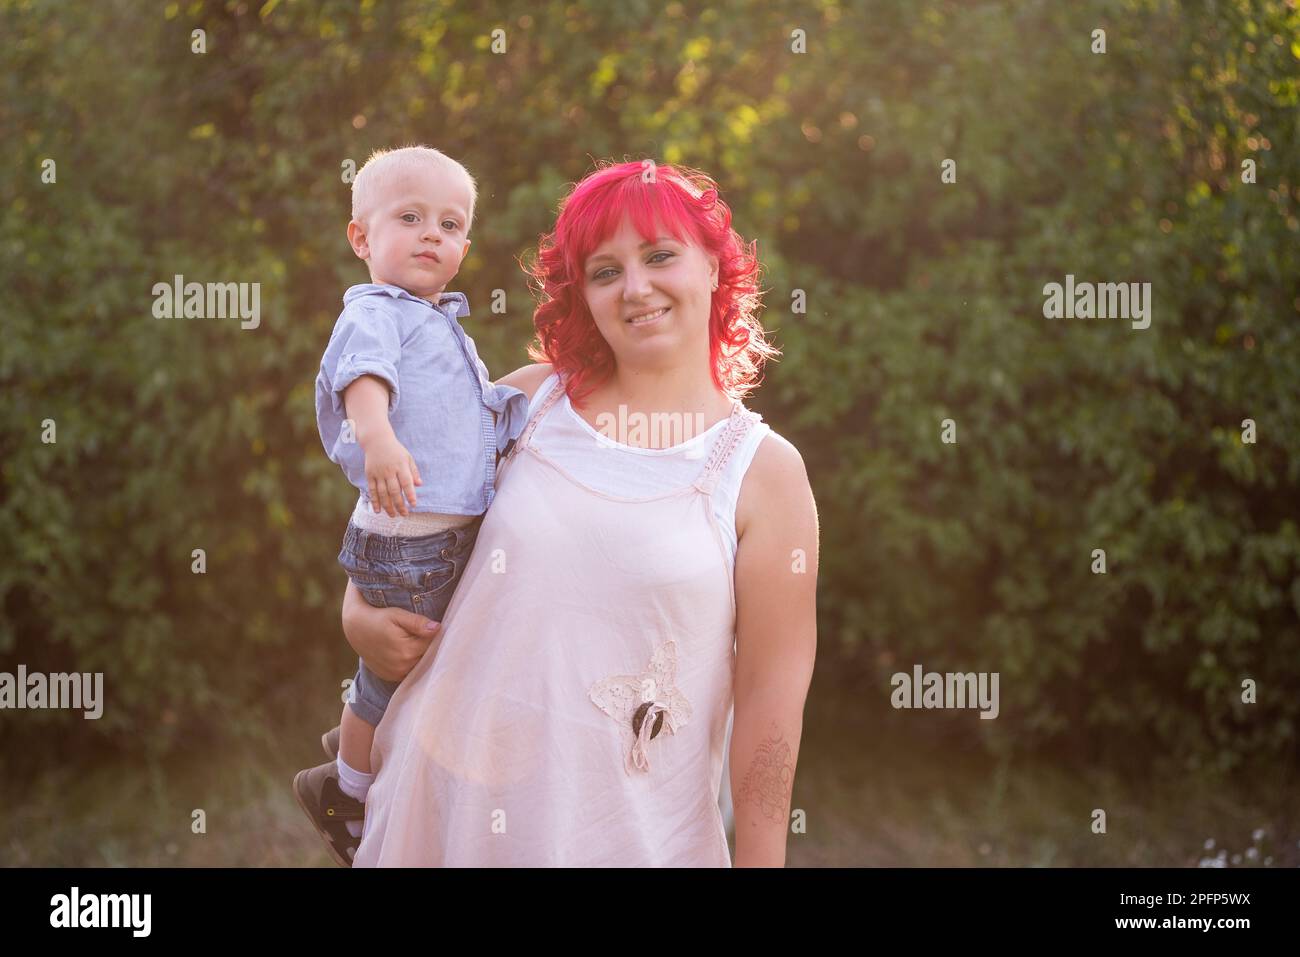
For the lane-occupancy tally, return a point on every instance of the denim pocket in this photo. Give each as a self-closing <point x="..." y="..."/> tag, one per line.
<point x="380" y="583"/>
<point x="437" y="582"/>
<point x="423" y="585"/>
<point x="375" y="588"/>
<point x="434" y="574"/>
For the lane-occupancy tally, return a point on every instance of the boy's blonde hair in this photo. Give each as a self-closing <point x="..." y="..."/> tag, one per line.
<point x="384" y="166"/>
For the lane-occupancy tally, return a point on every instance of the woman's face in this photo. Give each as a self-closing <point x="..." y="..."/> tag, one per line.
<point x="650" y="300"/>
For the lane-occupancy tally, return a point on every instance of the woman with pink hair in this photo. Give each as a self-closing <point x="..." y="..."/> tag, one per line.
<point x="630" y="593"/>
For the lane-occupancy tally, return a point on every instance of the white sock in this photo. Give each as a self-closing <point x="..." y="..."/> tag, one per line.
<point x="355" y="785"/>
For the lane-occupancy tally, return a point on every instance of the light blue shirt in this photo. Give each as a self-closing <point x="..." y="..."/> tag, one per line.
<point x="440" y="399"/>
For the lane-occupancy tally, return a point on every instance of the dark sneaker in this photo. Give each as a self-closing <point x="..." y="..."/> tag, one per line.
<point x="318" y="794"/>
<point x="330" y="742"/>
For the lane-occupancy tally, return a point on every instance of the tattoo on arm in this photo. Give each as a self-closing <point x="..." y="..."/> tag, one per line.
<point x="770" y="778"/>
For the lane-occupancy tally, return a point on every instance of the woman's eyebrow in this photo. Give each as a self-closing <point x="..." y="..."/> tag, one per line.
<point x="650" y="242"/>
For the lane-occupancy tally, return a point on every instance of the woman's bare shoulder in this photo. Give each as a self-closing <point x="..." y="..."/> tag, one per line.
<point x="775" y="483"/>
<point x="528" y="378"/>
<point x="777" y="468"/>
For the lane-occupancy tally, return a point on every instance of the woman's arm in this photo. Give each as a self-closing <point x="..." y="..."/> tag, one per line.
<point x="390" y="640"/>
<point x="776" y="644"/>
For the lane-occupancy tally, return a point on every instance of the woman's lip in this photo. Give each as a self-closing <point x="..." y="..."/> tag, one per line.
<point x="640" y="320"/>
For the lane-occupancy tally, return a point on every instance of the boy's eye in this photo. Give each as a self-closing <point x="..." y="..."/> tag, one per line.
<point x="412" y="219"/>
<point x="450" y="225"/>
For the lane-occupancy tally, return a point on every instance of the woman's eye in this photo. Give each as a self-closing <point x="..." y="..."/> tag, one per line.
<point x="653" y="259"/>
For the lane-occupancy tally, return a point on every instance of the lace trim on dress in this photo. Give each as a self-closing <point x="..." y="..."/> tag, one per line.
<point x="742" y="420"/>
<point x="527" y="434"/>
<point x="642" y="704"/>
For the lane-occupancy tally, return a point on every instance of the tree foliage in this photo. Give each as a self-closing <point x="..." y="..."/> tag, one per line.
<point x="924" y="303"/>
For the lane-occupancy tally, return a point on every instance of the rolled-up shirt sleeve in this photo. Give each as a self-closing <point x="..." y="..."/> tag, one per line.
<point x="511" y="408"/>
<point x="365" y="342"/>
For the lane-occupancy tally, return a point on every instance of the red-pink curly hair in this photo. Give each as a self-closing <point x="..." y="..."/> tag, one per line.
<point x="686" y="202"/>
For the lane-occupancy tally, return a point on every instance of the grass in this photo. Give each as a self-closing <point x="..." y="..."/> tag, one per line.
<point x="870" y="799"/>
<point x="875" y="799"/>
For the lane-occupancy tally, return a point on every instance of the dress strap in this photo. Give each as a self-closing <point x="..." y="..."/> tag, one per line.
<point x="526" y="435"/>
<point x="725" y="445"/>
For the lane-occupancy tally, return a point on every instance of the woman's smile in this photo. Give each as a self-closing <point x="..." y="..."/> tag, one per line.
<point x="647" y="318"/>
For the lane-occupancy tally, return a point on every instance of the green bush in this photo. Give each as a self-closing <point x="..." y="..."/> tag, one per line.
<point x="924" y="302"/>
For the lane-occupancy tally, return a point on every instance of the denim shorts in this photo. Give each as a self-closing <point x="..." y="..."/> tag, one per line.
<point x="418" y="574"/>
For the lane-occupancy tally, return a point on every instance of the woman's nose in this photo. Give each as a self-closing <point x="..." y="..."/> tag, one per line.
<point x="636" y="283"/>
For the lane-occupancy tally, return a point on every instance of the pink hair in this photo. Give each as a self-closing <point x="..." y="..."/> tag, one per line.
<point x="687" y="203"/>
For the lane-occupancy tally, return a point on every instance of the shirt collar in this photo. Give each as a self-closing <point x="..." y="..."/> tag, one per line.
<point x="454" y="304"/>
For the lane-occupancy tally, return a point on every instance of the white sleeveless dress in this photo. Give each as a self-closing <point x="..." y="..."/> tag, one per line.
<point x="575" y="710"/>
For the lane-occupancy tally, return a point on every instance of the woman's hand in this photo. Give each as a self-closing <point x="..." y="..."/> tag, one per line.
<point x="390" y="640"/>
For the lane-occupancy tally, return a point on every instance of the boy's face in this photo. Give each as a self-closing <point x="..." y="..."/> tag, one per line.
<point x="416" y="234"/>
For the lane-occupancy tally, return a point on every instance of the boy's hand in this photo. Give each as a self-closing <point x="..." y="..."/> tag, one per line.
<point x="392" y="476"/>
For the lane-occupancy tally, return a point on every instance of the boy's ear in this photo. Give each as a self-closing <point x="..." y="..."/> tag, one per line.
<point x="464" y="251"/>
<point x="357" y="240"/>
